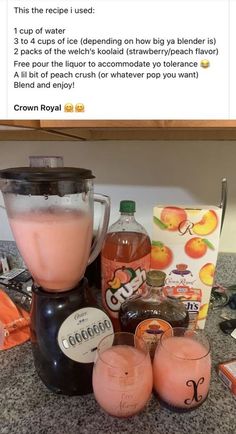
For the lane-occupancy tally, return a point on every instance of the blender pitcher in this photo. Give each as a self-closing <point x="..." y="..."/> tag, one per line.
<point x="50" y="211"/>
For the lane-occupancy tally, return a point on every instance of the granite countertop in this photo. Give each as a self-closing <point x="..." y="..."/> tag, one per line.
<point x="26" y="406"/>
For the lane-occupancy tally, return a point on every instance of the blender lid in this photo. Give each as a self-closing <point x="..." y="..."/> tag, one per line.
<point x="45" y="181"/>
<point x="37" y="174"/>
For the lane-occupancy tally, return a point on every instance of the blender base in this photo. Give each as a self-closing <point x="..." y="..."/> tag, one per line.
<point x="66" y="328"/>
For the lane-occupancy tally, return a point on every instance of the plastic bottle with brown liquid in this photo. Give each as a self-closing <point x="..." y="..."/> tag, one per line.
<point x="125" y="259"/>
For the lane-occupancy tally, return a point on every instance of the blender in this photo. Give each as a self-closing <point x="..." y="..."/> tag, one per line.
<point x="50" y="211"/>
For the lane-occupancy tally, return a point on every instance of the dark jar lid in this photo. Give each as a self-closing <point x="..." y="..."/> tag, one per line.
<point x="44" y="180"/>
<point x="156" y="278"/>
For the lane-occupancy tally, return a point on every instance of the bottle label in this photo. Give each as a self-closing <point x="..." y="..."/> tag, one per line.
<point x="81" y="332"/>
<point x="121" y="280"/>
<point x="150" y="330"/>
<point x="190" y="297"/>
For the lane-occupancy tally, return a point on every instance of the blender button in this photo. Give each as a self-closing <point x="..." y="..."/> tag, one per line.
<point x="101" y="326"/>
<point x="72" y="340"/>
<point x="90" y="331"/>
<point x="84" y="334"/>
<point x="78" y="337"/>
<point x="107" y="324"/>
<point x="96" y="329"/>
<point x="65" y="343"/>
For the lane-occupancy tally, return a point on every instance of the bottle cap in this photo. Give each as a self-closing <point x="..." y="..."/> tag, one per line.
<point x="127" y="206"/>
<point x="156" y="278"/>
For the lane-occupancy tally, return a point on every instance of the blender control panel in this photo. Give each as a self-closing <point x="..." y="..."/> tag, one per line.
<point x="80" y="334"/>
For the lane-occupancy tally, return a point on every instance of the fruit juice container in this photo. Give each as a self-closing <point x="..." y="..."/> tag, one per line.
<point x="185" y="245"/>
<point x="125" y="259"/>
<point x="191" y="297"/>
<point x="227" y="373"/>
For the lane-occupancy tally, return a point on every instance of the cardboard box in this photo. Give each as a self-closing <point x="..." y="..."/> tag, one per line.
<point x="191" y="297"/>
<point x="185" y="246"/>
<point x="227" y="373"/>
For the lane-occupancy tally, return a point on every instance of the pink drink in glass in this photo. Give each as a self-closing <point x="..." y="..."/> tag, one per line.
<point x="55" y="246"/>
<point x="122" y="379"/>
<point x="182" y="369"/>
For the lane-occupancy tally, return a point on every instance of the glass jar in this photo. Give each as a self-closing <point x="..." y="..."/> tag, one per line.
<point x="151" y="313"/>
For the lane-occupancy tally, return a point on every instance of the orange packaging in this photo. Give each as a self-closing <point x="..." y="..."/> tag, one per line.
<point x="227" y="373"/>
<point x="191" y="297"/>
<point x="185" y="244"/>
<point x="14" y="322"/>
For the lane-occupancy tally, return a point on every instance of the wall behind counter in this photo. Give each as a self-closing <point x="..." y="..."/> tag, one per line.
<point x="148" y="172"/>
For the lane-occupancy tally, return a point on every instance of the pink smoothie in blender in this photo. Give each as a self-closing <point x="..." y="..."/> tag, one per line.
<point x="50" y="211"/>
<point x="55" y="246"/>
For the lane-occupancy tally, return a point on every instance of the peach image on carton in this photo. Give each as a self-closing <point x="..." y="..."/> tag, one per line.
<point x="203" y="312"/>
<point x="207" y="224"/>
<point x="172" y="216"/>
<point x="161" y="256"/>
<point x="197" y="247"/>
<point x="206" y="274"/>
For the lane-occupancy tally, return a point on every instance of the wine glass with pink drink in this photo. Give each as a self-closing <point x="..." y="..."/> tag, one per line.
<point x="122" y="375"/>
<point x="182" y="369"/>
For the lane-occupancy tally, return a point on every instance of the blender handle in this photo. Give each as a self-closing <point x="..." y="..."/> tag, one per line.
<point x="223" y="201"/>
<point x="102" y="228"/>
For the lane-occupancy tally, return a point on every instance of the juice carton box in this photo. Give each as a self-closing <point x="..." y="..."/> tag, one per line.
<point x="191" y="297"/>
<point x="185" y="244"/>
<point x="227" y="373"/>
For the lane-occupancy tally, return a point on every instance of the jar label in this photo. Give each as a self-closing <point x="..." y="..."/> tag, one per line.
<point x="121" y="280"/>
<point x="81" y="332"/>
<point x="150" y="330"/>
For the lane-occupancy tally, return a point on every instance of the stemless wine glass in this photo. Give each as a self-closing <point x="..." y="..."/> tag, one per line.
<point x="182" y="369"/>
<point x="122" y="374"/>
